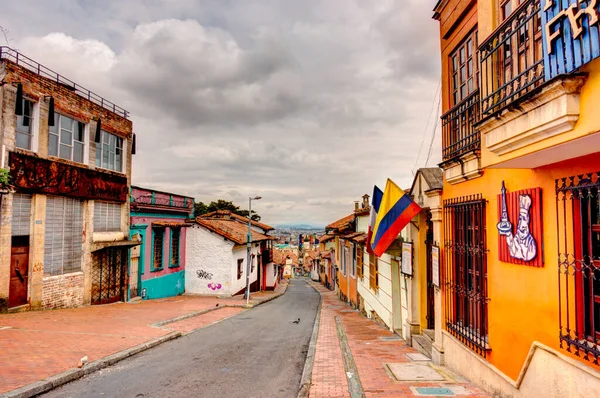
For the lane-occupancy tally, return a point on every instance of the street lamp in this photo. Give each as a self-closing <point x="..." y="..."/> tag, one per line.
<point x="249" y="246"/>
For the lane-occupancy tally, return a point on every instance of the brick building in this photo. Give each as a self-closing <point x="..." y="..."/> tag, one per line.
<point x="64" y="227"/>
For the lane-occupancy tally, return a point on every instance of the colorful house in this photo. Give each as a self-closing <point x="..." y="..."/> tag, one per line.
<point x="520" y="299"/>
<point x="158" y="221"/>
<point x="64" y="222"/>
<point x="327" y="260"/>
<point x="216" y="248"/>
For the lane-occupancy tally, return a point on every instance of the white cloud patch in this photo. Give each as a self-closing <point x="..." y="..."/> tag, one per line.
<point x="306" y="104"/>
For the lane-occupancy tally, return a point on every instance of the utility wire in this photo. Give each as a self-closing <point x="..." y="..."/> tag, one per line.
<point x="427" y="126"/>
<point x="434" y="131"/>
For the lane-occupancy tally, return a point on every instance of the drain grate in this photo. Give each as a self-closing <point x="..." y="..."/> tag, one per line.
<point x="390" y="338"/>
<point x="432" y="392"/>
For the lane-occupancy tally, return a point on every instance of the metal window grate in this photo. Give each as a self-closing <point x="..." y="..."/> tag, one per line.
<point x="159" y="237"/>
<point x="578" y="226"/>
<point x="107" y="217"/>
<point x="63" y="237"/>
<point x="109" y="275"/>
<point x="21" y="215"/>
<point x="466" y="271"/>
<point x="175" y="236"/>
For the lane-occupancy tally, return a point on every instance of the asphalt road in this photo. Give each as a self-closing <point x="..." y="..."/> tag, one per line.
<point x="258" y="353"/>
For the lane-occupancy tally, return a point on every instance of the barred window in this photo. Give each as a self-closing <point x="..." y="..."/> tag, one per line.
<point x="578" y="211"/>
<point x="63" y="231"/>
<point x="107" y="217"/>
<point x="466" y="271"/>
<point x="373" y="272"/>
<point x="240" y="267"/>
<point x="159" y="238"/>
<point x="175" y="235"/>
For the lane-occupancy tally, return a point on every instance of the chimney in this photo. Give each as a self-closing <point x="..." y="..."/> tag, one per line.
<point x="356" y="205"/>
<point x="365" y="201"/>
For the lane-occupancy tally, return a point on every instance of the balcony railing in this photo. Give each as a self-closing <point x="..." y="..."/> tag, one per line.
<point x="181" y="203"/>
<point x="512" y="59"/>
<point x="458" y="134"/>
<point x="39" y="69"/>
<point x="266" y="256"/>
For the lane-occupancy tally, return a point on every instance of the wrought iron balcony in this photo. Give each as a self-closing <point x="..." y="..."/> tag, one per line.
<point x="458" y="134"/>
<point x="149" y="200"/>
<point x="266" y="256"/>
<point x="512" y="59"/>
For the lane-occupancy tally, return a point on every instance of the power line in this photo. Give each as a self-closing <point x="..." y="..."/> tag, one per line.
<point x="434" y="131"/>
<point x="427" y="125"/>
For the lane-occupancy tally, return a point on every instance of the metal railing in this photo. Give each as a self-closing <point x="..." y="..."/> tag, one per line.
<point x="578" y="229"/>
<point x="170" y="202"/>
<point x="512" y="59"/>
<point x="39" y="69"/>
<point x="458" y="133"/>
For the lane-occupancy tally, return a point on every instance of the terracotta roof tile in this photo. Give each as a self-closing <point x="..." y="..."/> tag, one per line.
<point x="229" y="214"/>
<point x="231" y="229"/>
<point x="342" y="223"/>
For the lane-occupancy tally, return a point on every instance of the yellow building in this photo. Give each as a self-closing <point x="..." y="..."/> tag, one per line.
<point x="521" y="239"/>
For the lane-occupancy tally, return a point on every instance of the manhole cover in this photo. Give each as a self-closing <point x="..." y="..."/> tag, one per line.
<point x="432" y="392"/>
<point x="390" y="338"/>
<point x="414" y="372"/>
<point x="417" y="356"/>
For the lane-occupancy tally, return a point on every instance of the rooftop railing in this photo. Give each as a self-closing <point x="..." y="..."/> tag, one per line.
<point x="39" y="69"/>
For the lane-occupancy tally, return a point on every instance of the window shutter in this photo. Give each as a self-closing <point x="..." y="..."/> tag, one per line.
<point x="107" y="217"/>
<point x="21" y="217"/>
<point x="64" y="227"/>
<point x="359" y="262"/>
<point x="373" y="271"/>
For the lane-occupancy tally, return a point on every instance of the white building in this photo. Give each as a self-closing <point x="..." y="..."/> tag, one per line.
<point x="217" y="256"/>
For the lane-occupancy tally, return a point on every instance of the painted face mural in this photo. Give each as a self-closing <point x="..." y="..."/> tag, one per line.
<point x="523" y="245"/>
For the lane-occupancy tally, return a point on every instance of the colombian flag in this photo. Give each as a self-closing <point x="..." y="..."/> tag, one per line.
<point x="395" y="212"/>
<point x="375" y="204"/>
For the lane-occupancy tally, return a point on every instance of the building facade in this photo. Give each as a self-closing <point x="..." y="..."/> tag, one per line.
<point x="521" y="236"/>
<point x="158" y="222"/>
<point x="216" y="254"/>
<point x="65" y="224"/>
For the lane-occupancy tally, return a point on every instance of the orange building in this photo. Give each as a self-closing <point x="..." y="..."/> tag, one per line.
<point x="521" y="145"/>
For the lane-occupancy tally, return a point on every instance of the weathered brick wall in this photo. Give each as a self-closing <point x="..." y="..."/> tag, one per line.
<point x="63" y="291"/>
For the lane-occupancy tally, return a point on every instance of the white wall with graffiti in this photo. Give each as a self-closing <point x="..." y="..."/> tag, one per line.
<point x="209" y="263"/>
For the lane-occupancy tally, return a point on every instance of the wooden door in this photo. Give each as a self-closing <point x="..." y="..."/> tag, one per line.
<point x="19" y="276"/>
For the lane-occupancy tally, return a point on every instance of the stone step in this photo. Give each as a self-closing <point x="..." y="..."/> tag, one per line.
<point x="422" y="344"/>
<point x="430" y="334"/>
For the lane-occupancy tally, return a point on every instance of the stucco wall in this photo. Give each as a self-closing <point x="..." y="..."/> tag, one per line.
<point x="242" y="253"/>
<point x="208" y="269"/>
<point x="381" y="300"/>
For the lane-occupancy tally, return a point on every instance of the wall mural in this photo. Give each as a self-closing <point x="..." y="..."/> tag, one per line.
<point x="31" y="174"/>
<point x="520" y="245"/>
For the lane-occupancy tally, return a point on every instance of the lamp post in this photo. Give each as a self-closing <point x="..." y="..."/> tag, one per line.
<point x="249" y="246"/>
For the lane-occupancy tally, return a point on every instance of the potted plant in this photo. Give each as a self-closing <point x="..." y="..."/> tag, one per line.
<point x="4" y="182"/>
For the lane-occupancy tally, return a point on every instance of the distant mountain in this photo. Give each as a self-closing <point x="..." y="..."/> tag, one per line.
<point x="299" y="226"/>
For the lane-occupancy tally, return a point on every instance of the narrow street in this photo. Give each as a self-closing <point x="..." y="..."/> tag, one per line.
<point x="259" y="353"/>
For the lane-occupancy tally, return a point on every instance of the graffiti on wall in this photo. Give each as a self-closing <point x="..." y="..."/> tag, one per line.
<point x="31" y="174"/>
<point x="214" y="286"/>
<point x="204" y="275"/>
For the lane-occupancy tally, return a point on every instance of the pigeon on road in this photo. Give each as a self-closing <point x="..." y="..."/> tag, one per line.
<point x="296" y="321"/>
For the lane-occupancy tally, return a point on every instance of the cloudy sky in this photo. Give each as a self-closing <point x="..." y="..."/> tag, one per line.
<point x="306" y="103"/>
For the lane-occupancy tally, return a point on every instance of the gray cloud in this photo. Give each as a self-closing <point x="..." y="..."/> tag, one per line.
<point x="307" y="104"/>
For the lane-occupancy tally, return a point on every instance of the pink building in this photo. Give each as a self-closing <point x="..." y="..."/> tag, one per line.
<point x="158" y="220"/>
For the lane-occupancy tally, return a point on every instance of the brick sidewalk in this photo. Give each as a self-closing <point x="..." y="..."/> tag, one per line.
<point x="370" y="354"/>
<point x="38" y="344"/>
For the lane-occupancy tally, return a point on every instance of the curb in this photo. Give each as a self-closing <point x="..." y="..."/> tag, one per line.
<point x="306" y="379"/>
<point x="355" y="387"/>
<point x="67" y="376"/>
<point x="42" y="386"/>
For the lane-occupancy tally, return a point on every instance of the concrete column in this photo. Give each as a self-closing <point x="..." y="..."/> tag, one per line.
<point x="36" y="281"/>
<point x="437" y="349"/>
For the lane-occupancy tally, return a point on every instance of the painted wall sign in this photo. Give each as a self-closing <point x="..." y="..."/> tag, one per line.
<point x="520" y="245"/>
<point x="31" y="174"/>
<point x="570" y="34"/>
<point x="406" y="258"/>
<point x="435" y="266"/>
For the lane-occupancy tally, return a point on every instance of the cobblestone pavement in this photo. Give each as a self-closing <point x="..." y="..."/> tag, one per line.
<point x="370" y="354"/>
<point x="37" y="344"/>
